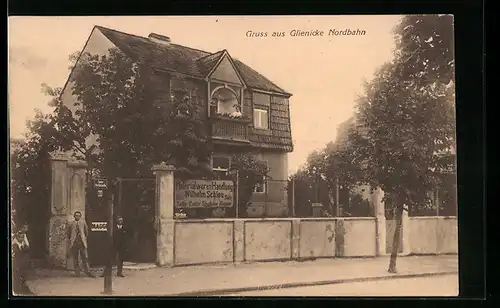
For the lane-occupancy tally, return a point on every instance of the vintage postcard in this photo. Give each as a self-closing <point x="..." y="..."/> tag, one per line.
<point x="233" y="156"/>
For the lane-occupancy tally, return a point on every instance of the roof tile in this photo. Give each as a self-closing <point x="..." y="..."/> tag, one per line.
<point x="183" y="59"/>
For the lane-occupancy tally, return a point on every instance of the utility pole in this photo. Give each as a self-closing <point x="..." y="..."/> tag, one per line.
<point x="237" y="193"/>
<point x="436" y="201"/>
<point x="108" y="283"/>
<point x="337" y="199"/>
<point x="293" y="197"/>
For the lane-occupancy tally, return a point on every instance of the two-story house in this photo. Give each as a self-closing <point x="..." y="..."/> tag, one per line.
<point x="244" y="110"/>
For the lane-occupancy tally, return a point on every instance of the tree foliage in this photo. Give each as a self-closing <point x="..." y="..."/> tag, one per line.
<point x="405" y="121"/>
<point x="325" y="170"/>
<point x="29" y="160"/>
<point x="119" y="124"/>
<point x="250" y="173"/>
<point x="402" y="137"/>
<point x="30" y="178"/>
<point x="403" y="134"/>
<point x="425" y="49"/>
<point x="122" y="104"/>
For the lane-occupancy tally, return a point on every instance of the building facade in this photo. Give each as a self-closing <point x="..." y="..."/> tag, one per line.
<point x="243" y="110"/>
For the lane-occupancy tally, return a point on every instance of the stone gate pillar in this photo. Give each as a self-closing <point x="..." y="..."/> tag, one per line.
<point x="76" y="194"/>
<point x="405" y="234"/>
<point x="164" y="214"/>
<point x="67" y="196"/>
<point x="381" y="234"/>
<point x="77" y="182"/>
<point x="59" y="210"/>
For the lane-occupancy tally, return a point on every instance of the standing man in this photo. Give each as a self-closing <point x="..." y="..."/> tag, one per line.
<point x="119" y="234"/>
<point x="119" y="244"/>
<point x="78" y="232"/>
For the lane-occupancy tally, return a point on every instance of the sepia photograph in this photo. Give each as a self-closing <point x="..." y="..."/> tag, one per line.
<point x="233" y="156"/>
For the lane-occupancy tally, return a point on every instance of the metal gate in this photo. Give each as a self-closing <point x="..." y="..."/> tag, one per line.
<point x="135" y="201"/>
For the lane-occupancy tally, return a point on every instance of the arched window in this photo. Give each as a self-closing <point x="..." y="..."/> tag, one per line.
<point x="225" y="102"/>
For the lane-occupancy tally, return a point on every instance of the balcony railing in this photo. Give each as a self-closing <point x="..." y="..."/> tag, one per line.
<point x="229" y="129"/>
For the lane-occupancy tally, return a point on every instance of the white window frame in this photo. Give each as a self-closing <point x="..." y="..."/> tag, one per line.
<point x="221" y="169"/>
<point x="264" y="186"/>
<point x="214" y="103"/>
<point x="264" y="181"/>
<point x="257" y="121"/>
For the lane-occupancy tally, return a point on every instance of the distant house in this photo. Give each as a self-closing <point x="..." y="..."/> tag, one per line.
<point x="243" y="110"/>
<point x="343" y="131"/>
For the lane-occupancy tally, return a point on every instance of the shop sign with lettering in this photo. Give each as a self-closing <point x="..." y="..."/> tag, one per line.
<point x="204" y="193"/>
<point x="101" y="183"/>
<point x="99" y="226"/>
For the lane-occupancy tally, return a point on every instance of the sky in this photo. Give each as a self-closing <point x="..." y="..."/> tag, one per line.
<point x="325" y="73"/>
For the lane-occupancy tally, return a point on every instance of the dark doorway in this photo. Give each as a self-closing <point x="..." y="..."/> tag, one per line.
<point x="135" y="202"/>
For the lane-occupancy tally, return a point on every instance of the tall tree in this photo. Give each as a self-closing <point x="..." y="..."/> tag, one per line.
<point x="250" y="173"/>
<point x="30" y="177"/>
<point x="406" y="117"/>
<point x="125" y="107"/>
<point x="328" y="166"/>
<point x="29" y="168"/>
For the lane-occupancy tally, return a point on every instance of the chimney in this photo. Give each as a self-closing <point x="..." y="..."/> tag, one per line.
<point x="158" y="38"/>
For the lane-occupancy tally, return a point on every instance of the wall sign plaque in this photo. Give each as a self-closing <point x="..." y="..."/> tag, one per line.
<point x="101" y="183"/>
<point x="204" y="193"/>
<point x="98" y="226"/>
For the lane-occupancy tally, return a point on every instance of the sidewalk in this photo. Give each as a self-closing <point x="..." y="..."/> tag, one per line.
<point x="225" y="279"/>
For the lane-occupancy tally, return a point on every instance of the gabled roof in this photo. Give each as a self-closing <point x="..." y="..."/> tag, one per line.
<point x="182" y="59"/>
<point x="220" y="58"/>
<point x="208" y="62"/>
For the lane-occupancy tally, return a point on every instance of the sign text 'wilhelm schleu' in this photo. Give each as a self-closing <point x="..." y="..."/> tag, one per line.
<point x="203" y="193"/>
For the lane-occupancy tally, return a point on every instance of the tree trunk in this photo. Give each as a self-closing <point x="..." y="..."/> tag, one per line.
<point x="331" y="198"/>
<point x="337" y="198"/>
<point x="331" y="202"/>
<point x="396" y="240"/>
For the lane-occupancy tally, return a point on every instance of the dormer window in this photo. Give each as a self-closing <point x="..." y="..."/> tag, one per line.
<point x="225" y="102"/>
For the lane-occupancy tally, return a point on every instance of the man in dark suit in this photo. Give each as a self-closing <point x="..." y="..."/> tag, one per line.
<point x="119" y="234"/>
<point x="78" y="233"/>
